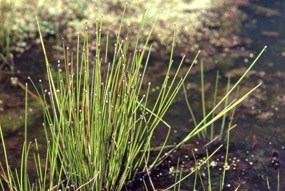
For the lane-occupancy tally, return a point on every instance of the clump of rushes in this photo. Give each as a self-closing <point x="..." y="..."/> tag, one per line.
<point x="98" y="122"/>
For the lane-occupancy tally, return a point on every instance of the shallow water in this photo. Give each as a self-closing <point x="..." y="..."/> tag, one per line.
<point x="267" y="30"/>
<point x="270" y="31"/>
<point x="260" y="133"/>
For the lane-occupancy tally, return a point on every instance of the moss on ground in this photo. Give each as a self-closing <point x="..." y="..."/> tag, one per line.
<point x="200" y="25"/>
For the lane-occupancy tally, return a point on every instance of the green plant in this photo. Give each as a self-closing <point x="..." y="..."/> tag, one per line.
<point x="6" y="21"/>
<point x="209" y="120"/>
<point x="102" y="116"/>
<point x="212" y="116"/>
<point x="98" y="120"/>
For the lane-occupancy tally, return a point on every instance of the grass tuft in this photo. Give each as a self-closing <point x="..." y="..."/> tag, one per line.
<point x="98" y="121"/>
